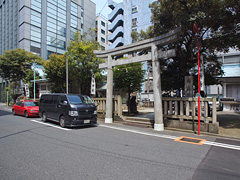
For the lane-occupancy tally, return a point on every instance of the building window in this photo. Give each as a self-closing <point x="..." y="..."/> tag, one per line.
<point x="35" y="18"/>
<point x="103" y="40"/>
<point x="74" y="9"/>
<point x="43" y="87"/>
<point x="134" y="9"/>
<point x="102" y="31"/>
<point x="74" y="21"/>
<point x="36" y="5"/>
<point x="134" y="29"/>
<point x="81" y="12"/>
<point x="134" y="22"/>
<point x="103" y="23"/>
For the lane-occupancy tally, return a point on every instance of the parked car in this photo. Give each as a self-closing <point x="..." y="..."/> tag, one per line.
<point x="26" y="108"/>
<point x="68" y="109"/>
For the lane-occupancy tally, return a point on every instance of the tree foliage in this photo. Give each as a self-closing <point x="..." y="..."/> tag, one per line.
<point x="218" y="26"/>
<point x="55" y="69"/>
<point x="15" y="64"/>
<point x="84" y="62"/>
<point x="129" y="77"/>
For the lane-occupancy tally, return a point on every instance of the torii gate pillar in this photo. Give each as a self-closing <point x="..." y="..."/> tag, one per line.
<point x="109" y="103"/>
<point x="158" y="116"/>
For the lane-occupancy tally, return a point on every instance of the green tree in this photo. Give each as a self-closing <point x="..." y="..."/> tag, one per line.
<point x="218" y="25"/>
<point x="14" y="64"/>
<point x="55" y="69"/>
<point x="84" y="62"/>
<point x="8" y="94"/>
<point x="128" y="78"/>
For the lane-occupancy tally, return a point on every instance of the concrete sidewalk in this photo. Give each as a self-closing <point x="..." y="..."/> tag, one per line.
<point x="229" y="122"/>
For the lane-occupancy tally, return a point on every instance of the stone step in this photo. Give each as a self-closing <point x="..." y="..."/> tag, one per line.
<point x="137" y="120"/>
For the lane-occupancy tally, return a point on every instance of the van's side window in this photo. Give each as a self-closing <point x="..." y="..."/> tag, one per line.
<point x="46" y="99"/>
<point x="54" y="99"/>
<point x="62" y="99"/>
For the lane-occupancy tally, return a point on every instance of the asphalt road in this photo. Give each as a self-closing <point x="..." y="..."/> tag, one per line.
<point x="30" y="149"/>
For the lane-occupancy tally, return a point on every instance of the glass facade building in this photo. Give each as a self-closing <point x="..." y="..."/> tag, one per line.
<point x="43" y="26"/>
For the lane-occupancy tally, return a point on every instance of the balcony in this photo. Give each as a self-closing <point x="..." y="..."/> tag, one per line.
<point x="117" y="33"/>
<point x="115" y="12"/>
<point x="118" y="42"/>
<point x="112" y="4"/>
<point x="118" y="21"/>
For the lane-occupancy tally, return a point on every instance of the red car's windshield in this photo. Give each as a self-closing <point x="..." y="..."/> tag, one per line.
<point x="31" y="104"/>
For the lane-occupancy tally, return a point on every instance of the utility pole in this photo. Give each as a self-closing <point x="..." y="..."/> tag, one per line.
<point x="66" y="75"/>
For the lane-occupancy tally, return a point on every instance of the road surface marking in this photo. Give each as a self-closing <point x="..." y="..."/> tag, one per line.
<point x="40" y="122"/>
<point x="190" y="140"/>
<point x="229" y="146"/>
<point x="139" y="132"/>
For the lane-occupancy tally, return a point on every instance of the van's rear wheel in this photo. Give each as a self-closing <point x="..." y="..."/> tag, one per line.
<point x="62" y="121"/>
<point x="44" y="117"/>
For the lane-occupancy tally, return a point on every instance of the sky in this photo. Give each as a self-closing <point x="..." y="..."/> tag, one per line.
<point x="102" y="6"/>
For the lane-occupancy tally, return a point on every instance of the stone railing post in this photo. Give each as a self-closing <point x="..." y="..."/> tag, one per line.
<point x="214" y="110"/>
<point x="119" y="105"/>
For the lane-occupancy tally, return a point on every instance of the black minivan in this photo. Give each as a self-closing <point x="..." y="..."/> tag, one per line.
<point x="68" y="109"/>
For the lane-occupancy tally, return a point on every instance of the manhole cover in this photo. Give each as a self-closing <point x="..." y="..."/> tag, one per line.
<point x="190" y="140"/>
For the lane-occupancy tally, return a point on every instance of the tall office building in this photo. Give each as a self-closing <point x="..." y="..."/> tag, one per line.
<point x="127" y="16"/>
<point x="43" y="26"/>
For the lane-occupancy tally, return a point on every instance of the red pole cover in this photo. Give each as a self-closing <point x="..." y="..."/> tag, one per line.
<point x="195" y="29"/>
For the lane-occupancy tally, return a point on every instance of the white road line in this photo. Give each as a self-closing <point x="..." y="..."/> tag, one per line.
<point x="51" y="125"/>
<point x="139" y="132"/>
<point x="229" y="146"/>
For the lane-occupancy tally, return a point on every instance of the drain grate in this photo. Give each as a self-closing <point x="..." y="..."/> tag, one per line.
<point x="190" y="140"/>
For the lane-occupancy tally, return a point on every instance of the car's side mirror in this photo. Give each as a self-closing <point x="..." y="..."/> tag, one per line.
<point x="64" y="102"/>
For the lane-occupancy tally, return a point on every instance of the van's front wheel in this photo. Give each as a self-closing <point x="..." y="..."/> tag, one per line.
<point x="62" y="122"/>
<point x="44" y="117"/>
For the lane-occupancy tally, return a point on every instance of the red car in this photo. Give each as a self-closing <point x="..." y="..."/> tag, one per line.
<point x="26" y="108"/>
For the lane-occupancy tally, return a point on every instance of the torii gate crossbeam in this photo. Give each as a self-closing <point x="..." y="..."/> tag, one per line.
<point x="154" y="55"/>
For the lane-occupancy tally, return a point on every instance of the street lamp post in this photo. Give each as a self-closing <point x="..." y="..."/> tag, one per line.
<point x="7" y="97"/>
<point x="66" y="75"/>
<point x="34" y="85"/>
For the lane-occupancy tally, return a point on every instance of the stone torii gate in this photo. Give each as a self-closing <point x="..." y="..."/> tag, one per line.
<point x="154" y="55"/>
